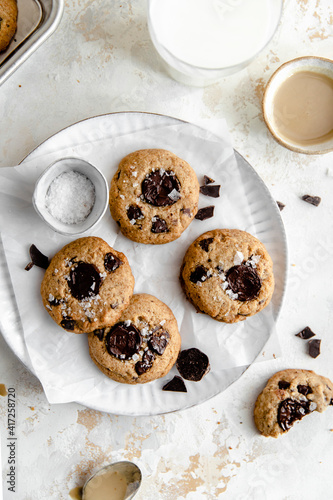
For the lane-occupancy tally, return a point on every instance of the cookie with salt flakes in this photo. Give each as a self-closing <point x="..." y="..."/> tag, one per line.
<point x="154" y="196"/>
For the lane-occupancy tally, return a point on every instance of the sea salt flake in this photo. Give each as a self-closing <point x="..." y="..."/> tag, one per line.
<point x="132" y="221"/>
<point x="162" y="322"/>
<point x="134" y="174"/>
<point x="70" y="197"/>
<point x="122" y="196"/>
<point x="232" y="295"/>
<point x="127" y="322"/>
<point x="174" y="195"/>
<point x="224" y="285"/>
<point x="135" y="357"/>
<point x="238" y="258"/>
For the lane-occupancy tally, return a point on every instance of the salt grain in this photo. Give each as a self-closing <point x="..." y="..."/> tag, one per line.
<point x="70" y="197"/>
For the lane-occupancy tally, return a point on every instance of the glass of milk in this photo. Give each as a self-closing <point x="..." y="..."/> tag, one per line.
<point x="201" y="41"/>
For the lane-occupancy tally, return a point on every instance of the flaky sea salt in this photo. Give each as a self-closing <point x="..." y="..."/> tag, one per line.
<point x="70" y="197"/>
<point x="238" y="258"/>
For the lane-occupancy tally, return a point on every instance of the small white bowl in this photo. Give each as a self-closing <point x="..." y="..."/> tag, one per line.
<point x="101" y="195"/>
<point x="307" y="63"/>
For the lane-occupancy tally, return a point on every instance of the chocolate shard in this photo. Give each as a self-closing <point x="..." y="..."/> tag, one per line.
<point x="283" y="384"/>
<point x="204" y="244"/>
<point x="304" y="389"/>
<point x="146" y="363"/>
<point x="186" y="211"/>
<point x="176" y="384"/>
<point x="99" y="332"/>
<point x="199" y="275"/>
<point x="159" y="225"/>
<point x="290" y="410"/>
<point x="313" y="200"/>
<point x="134" y="213"/>
<point x="306" y="333"/>
<point x="192" y="364"/>
<point x="68" y="324"/>
<point x="314" y="347"/>
<point x="123" y="340"/>
<point x="213" y="191"/>
<point x="158" y="342"/>
<point x="37" y="259"/>
<point x="84" y="280"/>
<point x="208" y="180"/>
<point x="111" y="262"/>
<point x="244" y="281"/>
<point x="280" y="205"/>
<point x="161" y="188"/>
<point x="205" y="213"/>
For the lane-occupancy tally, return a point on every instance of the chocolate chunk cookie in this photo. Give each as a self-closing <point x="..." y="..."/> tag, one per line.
<point x="142" y="346"/>
<point x="288" y="396"/>
<point x="228" y="274"/>
<point x="87" y="285"/>
<point x="154" y="196"/>
<point x="8" y="22"/>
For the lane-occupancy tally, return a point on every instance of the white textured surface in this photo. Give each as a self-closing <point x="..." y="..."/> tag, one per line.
<point x="101" y="60"/>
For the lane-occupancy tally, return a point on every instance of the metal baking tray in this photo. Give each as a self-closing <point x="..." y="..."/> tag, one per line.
<point x="36" y="21"/>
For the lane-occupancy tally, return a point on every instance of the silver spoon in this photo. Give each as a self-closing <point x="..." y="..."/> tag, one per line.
<point x="121" y="478"/>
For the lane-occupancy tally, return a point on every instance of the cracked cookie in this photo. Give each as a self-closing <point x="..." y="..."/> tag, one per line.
<point x="87" y="285"/>
<point x="288" y="396"/>
<point x="154" y="196"/>
<point x="142" y="346"/>
<point x="227" y="274"/>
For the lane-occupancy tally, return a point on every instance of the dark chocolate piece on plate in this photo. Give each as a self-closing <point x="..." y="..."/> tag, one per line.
<point x="290" y="410"/>
<point x="208" y="180"/>
<point x="306" y="333"/>
<point x="205" y="213"/>
<point x="176" y="384"/>
<point x="313" y="200"/>
<point x="213" y="191"/>
<point x="314" y="347"/>
<point x="37" y="259"/>
<point x="280" y="205"/>
<point x="192" y="364"/>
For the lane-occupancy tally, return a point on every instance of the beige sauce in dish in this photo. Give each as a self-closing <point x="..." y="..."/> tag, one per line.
<point x="303" y="108"/>
<point x="106" y="486"/>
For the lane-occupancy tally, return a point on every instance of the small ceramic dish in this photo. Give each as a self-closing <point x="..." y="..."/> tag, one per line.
<point x="65" y="165"/>
<point x="317" y="65"/>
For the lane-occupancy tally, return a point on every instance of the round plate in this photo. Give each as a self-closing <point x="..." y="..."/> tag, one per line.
<point x="266" y="224"/>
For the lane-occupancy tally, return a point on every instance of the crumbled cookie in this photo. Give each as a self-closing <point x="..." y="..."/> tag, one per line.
<point x="87" y="285"/>
<point x="227" y="274"/>
<point x="142" y="346"/>
<point x="154" y="196"/>
<point x="8" y="22"/>
<point x="288" y="396"/>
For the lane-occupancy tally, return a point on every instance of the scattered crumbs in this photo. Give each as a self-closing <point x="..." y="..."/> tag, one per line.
<point x="3" y="390"/>
<point x="263" y="354"/>
<point x="20" y="86"/>
<point x="280" y="205"/>
<point x="314" y="348"/>
<point x="78" y="81"/>
<point x="293" y="265"/>
<point x="313" y="200"/>
<point x="32" y="408"/>
<point x="240" y="422"/>
<point x="274" y="356"/>
<point x="230" y="448"/>
<point x="218" y="423"/>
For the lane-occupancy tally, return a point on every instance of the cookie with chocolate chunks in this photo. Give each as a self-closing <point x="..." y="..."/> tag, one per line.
<point x="154" y="196"/>
<point x="87" y="285"/>
<point x="227" y="274"/>
<point x="142" y="346"/>
<point x="289" y="396"/>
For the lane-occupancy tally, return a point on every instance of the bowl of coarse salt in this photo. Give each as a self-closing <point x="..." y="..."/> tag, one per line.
<point x="71" y="196"/>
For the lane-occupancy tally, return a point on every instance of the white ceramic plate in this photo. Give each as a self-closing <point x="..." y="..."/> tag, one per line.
<point x="267" y="224"/>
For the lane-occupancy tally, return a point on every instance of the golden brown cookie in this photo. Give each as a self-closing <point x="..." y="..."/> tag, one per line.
<point x="288" y="396"/>
<point x="142" y="346"/>
<point x="154" y="196"/>
<point x="87" y="285"/>
<point x="8" y="22"/>
<point x="227" y="274"/>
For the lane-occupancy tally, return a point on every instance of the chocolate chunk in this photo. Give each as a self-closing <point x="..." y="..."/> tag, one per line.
<point x="199" y="275"/>
<point x="123" y="340"/>
<point x="146" y="363"/>
<point x="314" y="200"/>
<point x="161" y="188"/>
<point x="176" y="384"/>
<point x="205" y="213"/>
<point x="208" y="180"/>
<point x="99" y="332"/>
<point x="37" y="259"/>
<point x="84" y="280"/>
<point x="186" y="211"/>
<point x="213" y="191"/>
<point x="159" y="225"/>
<point x="159" y="341"/>
<point x="111" y="262"/>
<point x="245" y="281"/>
<point x="68" y="324"/>
<point x="55" y="302"/>
<point x="280" y="205"/>
<point x="204" y="244"/>
<point x="134" y="212"/>
<point x="192" y="364"/>
<point x="284" y="385"/>
<point x="291" y="410"/>
<point x="306" y="333"/>
<point x="314" y="347"/>
<point x="304" y="389"/>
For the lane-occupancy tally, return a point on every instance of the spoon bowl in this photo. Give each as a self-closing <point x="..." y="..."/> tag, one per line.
<point x="121" y="479"/>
